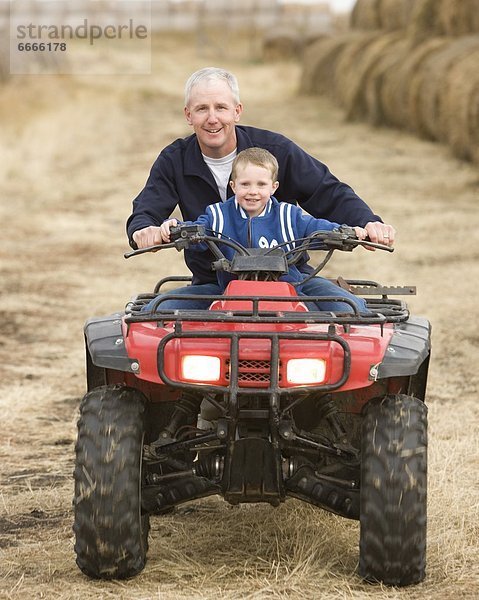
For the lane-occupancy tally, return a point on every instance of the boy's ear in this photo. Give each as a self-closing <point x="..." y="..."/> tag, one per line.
<point x="275" y="186"/>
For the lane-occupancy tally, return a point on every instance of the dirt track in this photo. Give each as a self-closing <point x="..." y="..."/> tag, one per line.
<point x="73" y="154"/>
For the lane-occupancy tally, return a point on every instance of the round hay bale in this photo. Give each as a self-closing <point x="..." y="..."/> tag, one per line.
<point x="459" y="17"/>
<point x="311" y="38"/>
<point x="281" y="45"/>
<point x="396" y="84"/>
<point x="365" y="15"/>
<point x="425" y="21"/>
<point x="459" y="123"/>
<point x="427" y="86"/>
<point x="389" y="59"/>
<point x="319" y="64"/>
<point x="346" y="84"/>
<point x="474" y="124"/>
<point x="352" y="81"/>
<point x="395" y="14"/>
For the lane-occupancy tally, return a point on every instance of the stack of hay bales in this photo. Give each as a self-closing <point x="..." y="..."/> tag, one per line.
<point x="286" y="44"/>
<point x="412" y="64"/>
<point x="281" y="44"/>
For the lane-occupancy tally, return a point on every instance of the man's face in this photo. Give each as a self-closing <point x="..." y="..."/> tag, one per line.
<point x="253" y="186"/>
<point x="212" y="112"/>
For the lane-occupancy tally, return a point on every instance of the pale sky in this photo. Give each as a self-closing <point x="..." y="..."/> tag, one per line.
<point x="338" y="5"/>
<point x="342" y="4"/>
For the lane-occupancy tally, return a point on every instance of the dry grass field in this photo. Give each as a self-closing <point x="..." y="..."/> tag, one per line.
<point x="74" y="151"/>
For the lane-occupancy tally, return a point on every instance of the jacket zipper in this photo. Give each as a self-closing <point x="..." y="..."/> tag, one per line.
<point x="250" y="232"/>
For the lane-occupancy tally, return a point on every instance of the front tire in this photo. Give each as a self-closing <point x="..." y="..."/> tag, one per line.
<point x="393" y="491"/>
<point x="111" y="531"/>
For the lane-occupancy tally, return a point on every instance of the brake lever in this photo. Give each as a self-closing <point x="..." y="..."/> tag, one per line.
<point x="353" y="242"/>
<point x="373" y="245"/>
<point x="346" y="236"/>
<point x="148" y="249"/>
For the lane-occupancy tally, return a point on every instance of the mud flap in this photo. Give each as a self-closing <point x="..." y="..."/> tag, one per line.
<point x="105" y="343"/>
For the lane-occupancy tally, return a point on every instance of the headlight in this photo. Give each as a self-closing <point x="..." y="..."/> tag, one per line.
<point x="201" y="368"/>
<point x="301" y="371"/>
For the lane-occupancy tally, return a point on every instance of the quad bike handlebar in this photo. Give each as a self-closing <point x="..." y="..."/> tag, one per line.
<point x="275" y="260"/>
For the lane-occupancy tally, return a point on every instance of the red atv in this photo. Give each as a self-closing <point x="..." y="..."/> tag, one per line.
<point x="259" y="398"/>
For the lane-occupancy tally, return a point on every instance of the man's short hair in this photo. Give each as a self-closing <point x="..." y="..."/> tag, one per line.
<point x="212" y="74"/>
<point x="256" y="156"/>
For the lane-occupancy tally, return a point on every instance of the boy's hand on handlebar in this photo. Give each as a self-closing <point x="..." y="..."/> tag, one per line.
<point x="165" y="230"/>
<point x="380" y="233"/>
<point x="361" y="233"/>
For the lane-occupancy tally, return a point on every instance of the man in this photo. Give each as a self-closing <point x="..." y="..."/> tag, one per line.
<point x="194" y="172"/>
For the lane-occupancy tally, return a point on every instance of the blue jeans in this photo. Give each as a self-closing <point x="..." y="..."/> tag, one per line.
<point x="210" y="289"/>
<point x="317" y="286"/>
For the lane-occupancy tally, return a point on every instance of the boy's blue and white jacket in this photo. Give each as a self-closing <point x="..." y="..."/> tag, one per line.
<point x="280" y="222"/>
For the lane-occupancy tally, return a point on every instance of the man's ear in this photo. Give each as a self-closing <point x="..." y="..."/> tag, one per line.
<point x="238" y="111"/>
<point x="187" y="112"/>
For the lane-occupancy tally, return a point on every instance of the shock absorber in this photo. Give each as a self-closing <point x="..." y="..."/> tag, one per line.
<point x="328" y="411"/>
<point x="185" y="413"/>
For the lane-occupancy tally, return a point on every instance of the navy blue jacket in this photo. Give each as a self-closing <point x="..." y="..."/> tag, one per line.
<point x="279" y="223"/>
<point x="180" y="177"/>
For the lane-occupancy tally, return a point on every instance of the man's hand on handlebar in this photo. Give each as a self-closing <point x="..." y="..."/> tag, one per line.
<point x="380" y="233"/>
<point x="146" y="237"/>
<point x="154" y="236"/>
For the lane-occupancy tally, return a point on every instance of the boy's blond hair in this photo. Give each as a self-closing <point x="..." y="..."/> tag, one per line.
<point x="255" y="156"/>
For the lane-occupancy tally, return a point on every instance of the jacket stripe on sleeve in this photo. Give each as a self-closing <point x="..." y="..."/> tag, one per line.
<point x="286" y="223"/>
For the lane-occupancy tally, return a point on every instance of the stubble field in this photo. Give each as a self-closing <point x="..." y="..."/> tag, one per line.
<point x="74" y="151"/>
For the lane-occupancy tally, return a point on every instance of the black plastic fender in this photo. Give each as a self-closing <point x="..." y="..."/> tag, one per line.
<point x="106" y="345"/>
<point x="408" y="349"/>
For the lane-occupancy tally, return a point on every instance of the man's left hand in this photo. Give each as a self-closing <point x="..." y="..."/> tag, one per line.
<point x="380" y="233"/>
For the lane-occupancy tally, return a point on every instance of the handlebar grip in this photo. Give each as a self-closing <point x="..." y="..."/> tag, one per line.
<point x="348" y="231"/>
<point x="175" y="232"/>
<point x="186" y="232"/>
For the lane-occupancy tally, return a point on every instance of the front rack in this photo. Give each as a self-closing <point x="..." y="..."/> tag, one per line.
<point x="383" y="309"/>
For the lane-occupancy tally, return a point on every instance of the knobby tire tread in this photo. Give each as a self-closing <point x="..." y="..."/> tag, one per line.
<point x="393" y="491"/>
<point x="111" y="533"/>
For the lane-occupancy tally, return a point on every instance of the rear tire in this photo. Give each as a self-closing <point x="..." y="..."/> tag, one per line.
<point x="111" y="531"/>
<point x="393" y="491"/>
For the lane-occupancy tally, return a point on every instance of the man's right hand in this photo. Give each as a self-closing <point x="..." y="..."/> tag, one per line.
<point x="149" y="236"/>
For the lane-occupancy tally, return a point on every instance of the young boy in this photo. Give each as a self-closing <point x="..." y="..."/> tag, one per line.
<point x="254" y="218"/>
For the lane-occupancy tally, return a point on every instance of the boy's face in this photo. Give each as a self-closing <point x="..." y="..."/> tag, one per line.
<point x="253" y="187"/>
